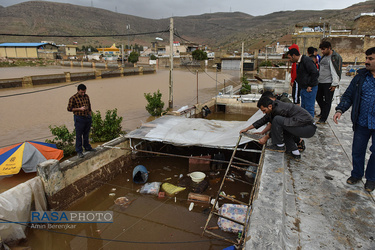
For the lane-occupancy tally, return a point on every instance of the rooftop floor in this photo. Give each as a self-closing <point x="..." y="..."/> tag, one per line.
<point x="307" y="204"/>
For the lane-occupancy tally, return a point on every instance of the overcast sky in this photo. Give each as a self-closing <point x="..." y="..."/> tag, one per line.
<point x="157" y="9"/>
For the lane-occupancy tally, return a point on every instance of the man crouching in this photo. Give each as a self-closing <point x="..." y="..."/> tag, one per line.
<point x="287" y="120"/>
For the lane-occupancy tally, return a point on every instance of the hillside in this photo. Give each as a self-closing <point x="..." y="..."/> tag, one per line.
<point x="224" y="30"/>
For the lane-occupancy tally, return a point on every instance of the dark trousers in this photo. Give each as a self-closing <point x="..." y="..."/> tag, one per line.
<point x="82" y="125"/>
<point x="285" y="134"/>
<point x="324" y="100"/>
<point x="360" y="140"/>
<point x="296" y="92"/>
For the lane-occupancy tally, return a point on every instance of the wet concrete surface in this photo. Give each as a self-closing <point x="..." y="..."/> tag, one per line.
<point x="308" y="204"/>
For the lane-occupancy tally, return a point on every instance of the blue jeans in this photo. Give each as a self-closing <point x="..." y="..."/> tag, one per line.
<point x="360" y="140"/>
<point x="308" y="100"/>
<point x="82" y="125"/>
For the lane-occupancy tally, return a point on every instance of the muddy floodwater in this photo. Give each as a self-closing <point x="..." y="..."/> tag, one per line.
<point x="26" y="116"/>
<point x="148" y="222"/>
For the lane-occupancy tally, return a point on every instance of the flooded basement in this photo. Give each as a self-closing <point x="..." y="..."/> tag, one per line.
<point x="149" y="221"/>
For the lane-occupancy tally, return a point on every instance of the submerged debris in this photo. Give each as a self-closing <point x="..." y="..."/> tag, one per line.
<point x="123" y="202"/>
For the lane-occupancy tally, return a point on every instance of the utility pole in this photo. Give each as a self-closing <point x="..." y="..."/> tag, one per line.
<point x="171" y="65"/>
<point x="241" y="70"/>
<point x="127" y="33"/>
<point x="122" y="55"/>
<point x="197" y="87"/>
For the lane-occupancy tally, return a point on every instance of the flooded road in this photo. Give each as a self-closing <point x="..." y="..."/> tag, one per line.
<point x="27" y="116"/>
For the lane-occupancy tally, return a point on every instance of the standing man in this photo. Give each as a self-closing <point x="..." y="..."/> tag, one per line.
<point x="360" y="95"/>
<point x="329" y="77"/>
<point x="307" y="78"/>
<point x="293" y="83"/>
<point x="287" y="120"/>
<point x="80" y="105"/>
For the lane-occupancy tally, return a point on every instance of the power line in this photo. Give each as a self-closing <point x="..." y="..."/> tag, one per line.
<point x="109" y="35"/>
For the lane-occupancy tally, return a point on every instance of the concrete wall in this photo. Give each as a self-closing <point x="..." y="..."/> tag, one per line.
<point x="28" y="81"/>
<point x="233" y="106"/>
<point x="364" y="25"/>
<point x="19" y="52"/>
<point x="272" y="72"/>
<point x="73" y="179"/>
<point x="349" y="47"/>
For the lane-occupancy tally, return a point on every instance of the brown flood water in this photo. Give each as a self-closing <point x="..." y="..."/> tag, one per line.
<point x="148" y="222"/>
<point x="27" y="117"/>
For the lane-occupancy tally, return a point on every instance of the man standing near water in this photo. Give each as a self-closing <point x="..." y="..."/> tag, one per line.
<point x="307" y="78"/>
<point x="329" y="77"/>
<point x="360" y="95"/>
<point x="80" y="105"/>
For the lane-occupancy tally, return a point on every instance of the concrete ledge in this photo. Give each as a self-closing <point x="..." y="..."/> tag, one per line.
<point x="11" y="83"/>
<point x="72" y="179"/>
<point x="267" y="221"/>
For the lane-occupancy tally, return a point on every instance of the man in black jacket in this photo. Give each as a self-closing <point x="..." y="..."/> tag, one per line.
<point x="307" y="78"/>
<point x="287" y="120"/>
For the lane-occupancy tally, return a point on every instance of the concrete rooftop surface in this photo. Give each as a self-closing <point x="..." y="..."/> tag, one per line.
<point x="308" y="204"/>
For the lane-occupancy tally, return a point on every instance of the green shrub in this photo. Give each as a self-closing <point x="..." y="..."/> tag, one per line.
<point x="246" y="88"/>
<point x="155" y="104"/>
<point x="107" y="129"/>
<point x="265" y="63"/>
<point x="64" y="140"/>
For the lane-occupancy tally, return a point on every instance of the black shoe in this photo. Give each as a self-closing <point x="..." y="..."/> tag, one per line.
<point x="295" y="157"/>
<point x="301" y="145"/>
<point x="91" y="150"/>
<point x="369" y="186"/>
<point x="321" y="122"/>
<point x="276" y="148"/>
<point x="80" y="155"/>
<point x="352" y="180"/>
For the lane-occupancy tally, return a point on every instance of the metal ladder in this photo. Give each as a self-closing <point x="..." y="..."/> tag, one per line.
<point x="240" y="239"/>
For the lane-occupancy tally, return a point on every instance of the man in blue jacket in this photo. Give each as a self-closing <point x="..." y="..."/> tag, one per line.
<point x="307" y="78"/>
<point x="360" y="95"/>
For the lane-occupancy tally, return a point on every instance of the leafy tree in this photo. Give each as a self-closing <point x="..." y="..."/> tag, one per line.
<point x="133" y="57"/>
<point x="153" y="57"/>
<point x="199" y="55"/>
<point x="107" y="129"/>
<point x="64" y="140"/>
<point x="155" y="104"/>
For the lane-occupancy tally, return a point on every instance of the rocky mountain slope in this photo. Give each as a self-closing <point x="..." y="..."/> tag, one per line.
<point x="224" y="30"/>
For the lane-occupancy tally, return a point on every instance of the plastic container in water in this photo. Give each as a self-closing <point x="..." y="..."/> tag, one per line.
<point x="140" y="174"/>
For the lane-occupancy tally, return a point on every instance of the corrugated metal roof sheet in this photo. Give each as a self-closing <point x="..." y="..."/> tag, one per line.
<point x="21" y="44"/>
